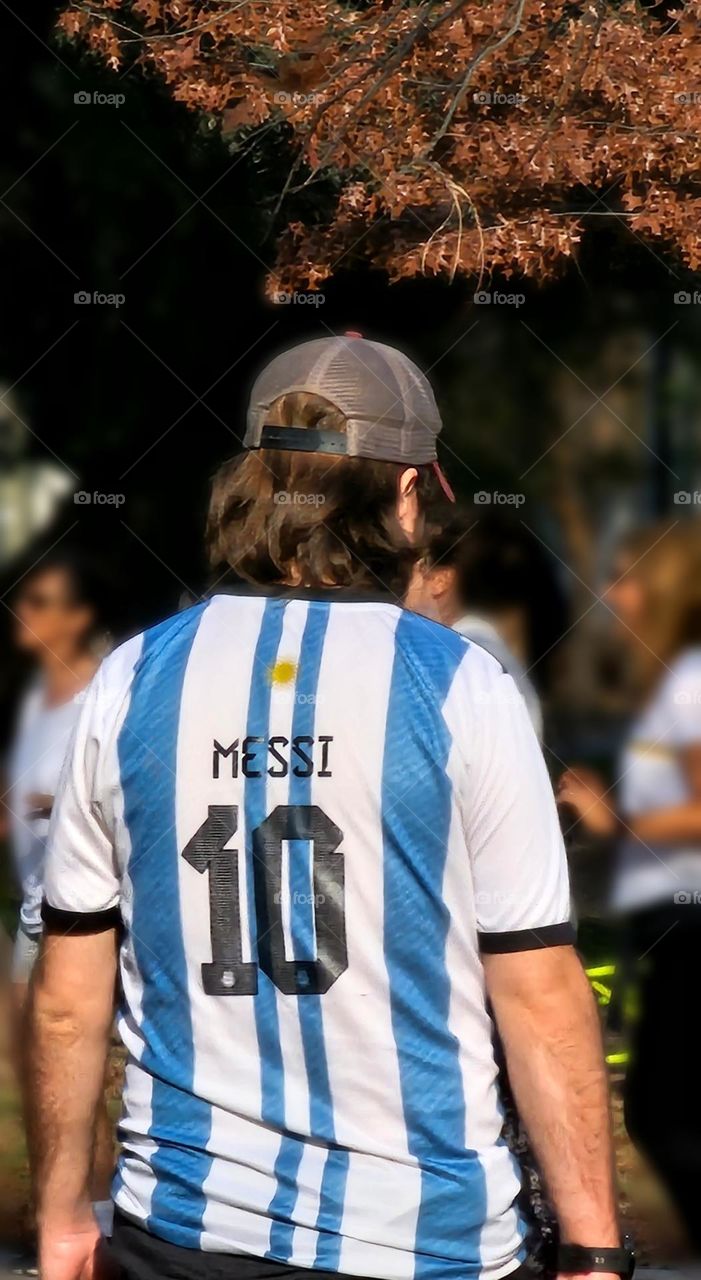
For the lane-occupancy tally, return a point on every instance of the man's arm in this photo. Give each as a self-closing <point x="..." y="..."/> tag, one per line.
<point x="550" y="1030"/>
<point x="71" y="1010"/>
<point x="541" y="999"/>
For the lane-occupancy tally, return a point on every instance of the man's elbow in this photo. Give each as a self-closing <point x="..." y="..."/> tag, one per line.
<point x="54" y="1013"/>
<point x="544" y="981"/>
<point x="60" y="1013"/>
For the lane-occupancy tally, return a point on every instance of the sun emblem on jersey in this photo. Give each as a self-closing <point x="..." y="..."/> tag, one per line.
<point x="282" y="672"/>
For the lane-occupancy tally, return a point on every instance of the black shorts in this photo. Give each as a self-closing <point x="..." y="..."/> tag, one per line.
<point x="141" y="1256"/>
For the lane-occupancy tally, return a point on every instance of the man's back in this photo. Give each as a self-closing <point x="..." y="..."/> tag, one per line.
<point x="307" y="798"/>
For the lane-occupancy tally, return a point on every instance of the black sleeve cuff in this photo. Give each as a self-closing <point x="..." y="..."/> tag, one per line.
<point x="80" y="922"/>
<point x="547" y="935"/>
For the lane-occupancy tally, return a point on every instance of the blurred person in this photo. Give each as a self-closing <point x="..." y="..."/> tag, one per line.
<point x="654" y="817"/>
<point x="325" y="825"/>
<point x="479" y="577"/>
<point x="58" y="611"/>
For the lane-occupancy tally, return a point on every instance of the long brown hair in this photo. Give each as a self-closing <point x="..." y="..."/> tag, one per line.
<point x="666" y="558"/>
<point x="312" y="519"/>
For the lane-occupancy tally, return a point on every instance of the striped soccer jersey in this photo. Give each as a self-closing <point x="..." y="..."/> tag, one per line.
<point x="311" y="811"/>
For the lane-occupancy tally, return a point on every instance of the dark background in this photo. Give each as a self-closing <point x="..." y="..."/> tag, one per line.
<point x="147" y="399"/>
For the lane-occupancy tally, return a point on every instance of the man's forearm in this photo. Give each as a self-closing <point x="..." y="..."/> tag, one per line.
<point x="550" y="1030"/>
<point x="69" y="1041"/>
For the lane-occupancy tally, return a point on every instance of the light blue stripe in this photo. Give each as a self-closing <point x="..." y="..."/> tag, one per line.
<point x="309" y="1006"/>
<point x="333" y="1181"/>
<point x="328" y="1223"/>
<point x="300" y="793"/>
<point x="416" y="809"/>
<point x="265" y="1005"/>
<point x="147" y="751"/>
<point x="521" y="1224"/>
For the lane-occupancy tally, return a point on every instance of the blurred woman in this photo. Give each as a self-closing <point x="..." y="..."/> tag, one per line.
<point x="57" y="625"/>
<point x="59" y="610"/>
<point x="655" y="818"/>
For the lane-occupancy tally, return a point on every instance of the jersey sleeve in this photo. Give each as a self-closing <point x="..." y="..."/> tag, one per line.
<point x="519" y="865"/>
<point x="81" y="881"/>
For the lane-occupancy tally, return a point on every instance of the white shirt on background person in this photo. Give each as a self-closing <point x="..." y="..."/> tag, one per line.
<point x="652" y="777"/>
<point x="43" y="734"/>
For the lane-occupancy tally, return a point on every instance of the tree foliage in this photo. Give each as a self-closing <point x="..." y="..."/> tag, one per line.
<point x="439" y="137"/>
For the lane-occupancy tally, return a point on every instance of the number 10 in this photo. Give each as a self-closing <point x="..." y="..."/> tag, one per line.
<point x="228" y="974"/>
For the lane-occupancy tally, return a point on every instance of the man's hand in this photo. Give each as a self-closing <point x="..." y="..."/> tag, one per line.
<point x="585" y="791"/>
<point x="71" y="1254"/>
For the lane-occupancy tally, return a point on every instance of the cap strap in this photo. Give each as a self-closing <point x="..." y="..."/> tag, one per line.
<point x="443" y="482"/>
<point x="303" y="440"/>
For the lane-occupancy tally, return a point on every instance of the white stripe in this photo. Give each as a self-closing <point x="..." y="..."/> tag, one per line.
<point x="122" y="667"/>
<point x="375" y="1259"/>
<point x="351" y="705"/>
<point x="138" y="1181"/>
<point x="217" y="1021"/>
<point x="305" y="1237"/>
<point x="240" y="1183"/>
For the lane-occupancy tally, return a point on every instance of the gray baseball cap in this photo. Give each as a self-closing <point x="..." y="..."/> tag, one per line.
<point x="388" y="402"/>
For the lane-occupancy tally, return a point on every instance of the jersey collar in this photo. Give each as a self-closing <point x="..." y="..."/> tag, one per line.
<point x="330" y="595"/>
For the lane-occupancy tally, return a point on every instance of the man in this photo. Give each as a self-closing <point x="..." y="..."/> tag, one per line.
<point x="329" y="838"/>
